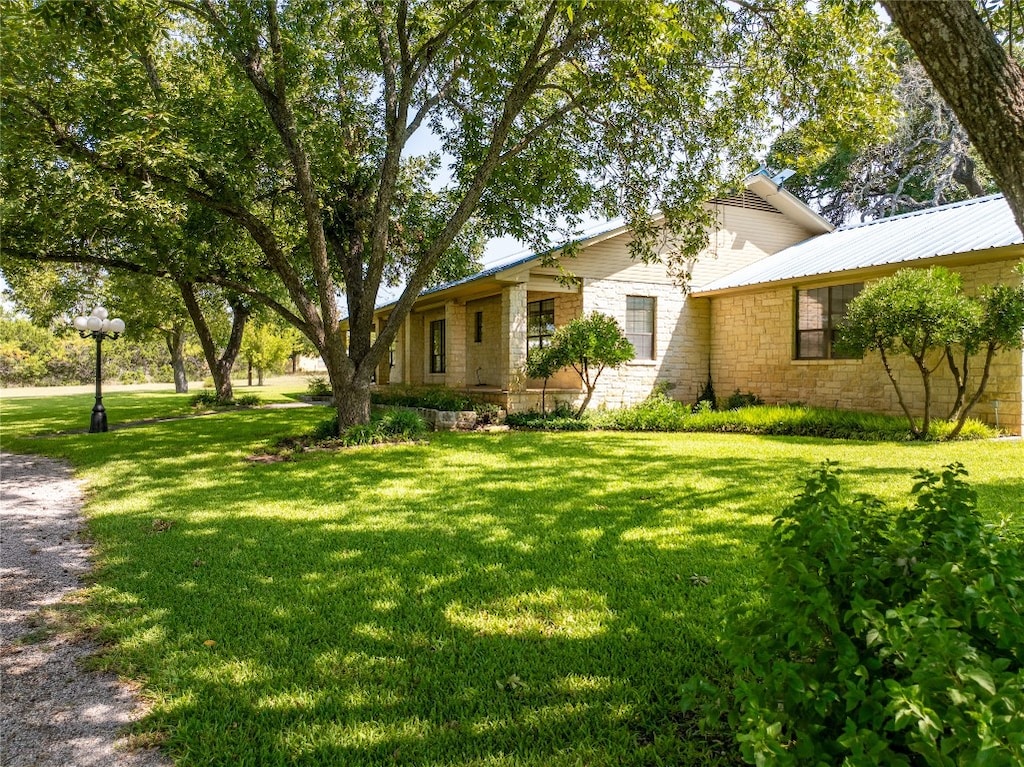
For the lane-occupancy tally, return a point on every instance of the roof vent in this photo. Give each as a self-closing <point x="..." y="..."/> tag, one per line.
<point x="782" y="176"/>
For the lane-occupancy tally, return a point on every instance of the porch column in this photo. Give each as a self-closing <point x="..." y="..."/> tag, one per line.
<point x="455" y="344"/>
<point x="407" y="349"/>
<point x="513" y="337"/>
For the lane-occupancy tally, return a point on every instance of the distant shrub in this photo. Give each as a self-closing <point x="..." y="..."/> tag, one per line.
<point x="736" y="400"/>
<point x="205" y="398"/>
<point x="883" y="638"/>
<point x="318" y="386"/>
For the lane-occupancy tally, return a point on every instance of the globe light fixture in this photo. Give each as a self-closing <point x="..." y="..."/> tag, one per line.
<point x="98" y="325"/>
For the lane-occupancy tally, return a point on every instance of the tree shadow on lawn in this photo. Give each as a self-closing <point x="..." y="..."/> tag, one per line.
<point x="524" y="599"/>
<point x="514" y="602"/>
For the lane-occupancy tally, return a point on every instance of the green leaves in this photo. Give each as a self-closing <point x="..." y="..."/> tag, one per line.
<point x="884" y="635"/>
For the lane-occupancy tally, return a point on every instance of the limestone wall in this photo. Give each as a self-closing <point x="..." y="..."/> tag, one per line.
<point x="680" y="342"/>
<point x="752" y="348"/>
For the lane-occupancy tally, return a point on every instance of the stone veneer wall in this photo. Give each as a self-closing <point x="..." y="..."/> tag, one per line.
<point x="680" y="342"/>
<point x="483" y="358"/>
<point x="752" y="350"/>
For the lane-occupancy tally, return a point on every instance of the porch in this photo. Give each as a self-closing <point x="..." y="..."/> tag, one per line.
<point x="476" y="342"/>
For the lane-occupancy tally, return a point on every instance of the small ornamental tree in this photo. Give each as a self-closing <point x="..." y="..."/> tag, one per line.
<point x="543" y="362"/>
<point x="999" y="325"/>
<point x="916" y="312"/>
<point x="588" y="345"/>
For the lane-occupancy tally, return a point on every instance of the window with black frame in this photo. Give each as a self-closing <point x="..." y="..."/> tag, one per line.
<point x="437" y="346"/>
<point x="819" y="312"/>
<point x="540" y="323"/>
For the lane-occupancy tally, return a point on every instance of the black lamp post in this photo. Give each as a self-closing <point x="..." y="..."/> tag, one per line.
<point x="97" y="326"/>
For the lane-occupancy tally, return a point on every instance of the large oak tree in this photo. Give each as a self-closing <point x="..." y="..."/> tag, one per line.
<point x="980" y="79"/>
<point x="293" y="121"/>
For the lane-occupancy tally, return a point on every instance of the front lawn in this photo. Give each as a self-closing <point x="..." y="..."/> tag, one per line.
<point x="486" y="599"/>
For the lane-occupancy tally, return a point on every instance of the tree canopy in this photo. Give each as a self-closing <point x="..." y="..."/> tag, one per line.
<point x="290" y="124"/>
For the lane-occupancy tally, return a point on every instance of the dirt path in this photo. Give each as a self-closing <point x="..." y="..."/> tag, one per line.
<point x="52" y="712"/>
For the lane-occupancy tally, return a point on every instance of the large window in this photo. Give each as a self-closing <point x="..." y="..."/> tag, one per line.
<point x="540" y="323"/>
<point x="818" y="314"/>
<point x="640" y="325"/>
<point x="437" y="346"/>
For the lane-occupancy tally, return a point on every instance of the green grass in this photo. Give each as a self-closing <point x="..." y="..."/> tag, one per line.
<point x="486" y="599"/>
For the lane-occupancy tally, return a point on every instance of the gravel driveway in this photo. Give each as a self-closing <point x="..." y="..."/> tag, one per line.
<point x="52" y="712"/>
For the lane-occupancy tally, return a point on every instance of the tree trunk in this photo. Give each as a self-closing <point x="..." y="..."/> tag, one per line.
<point x="220" y="365"/>
<point x="249" y="372"/>
<point x="959" y="380"/>
<point x="983" y="86"/>
<point x="352" y="401"/>
<point x="990" y="352"/>
<point x="175" y="340"/>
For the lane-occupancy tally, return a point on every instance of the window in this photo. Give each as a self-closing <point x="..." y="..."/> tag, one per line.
<point x="540" y="323"/>
<point x="818" y="313"/>
<point x="478" y="328"/>
<point x="640" y="325"/>
<point x="437" y="346"/>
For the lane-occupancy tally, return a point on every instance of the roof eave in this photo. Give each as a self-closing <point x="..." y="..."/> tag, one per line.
<point x="787" y="204"/>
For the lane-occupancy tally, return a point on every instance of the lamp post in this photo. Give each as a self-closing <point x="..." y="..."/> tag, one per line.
<point x="97" y="326"/>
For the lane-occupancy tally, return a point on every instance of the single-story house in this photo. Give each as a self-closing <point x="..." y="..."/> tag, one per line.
<point x="759" y="315"/>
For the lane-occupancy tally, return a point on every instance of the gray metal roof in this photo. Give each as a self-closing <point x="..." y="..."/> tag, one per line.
<point x="961" y="227"/>
<point x="514" y="260"/>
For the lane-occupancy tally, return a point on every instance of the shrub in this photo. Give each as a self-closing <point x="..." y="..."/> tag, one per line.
<point x="883" y="639"/>
<point x="390" y="426"/>
<point x="208" y="399"/>
<point x="432" y="397"/>
<point x="736" y="400"/>
<point x="658" y="412"/>
<point x="205" y="398"/>
<point x="706" y="400"/>
<point x="559" y="419"/>
<point x="318" y="386"/>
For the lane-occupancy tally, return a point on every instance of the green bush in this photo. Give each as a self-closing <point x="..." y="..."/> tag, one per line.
<point x="736" y="400"/>
<point x="432" y="397"/>
<point x="559" y="419"/>
<point x="883" y="638"/>
<point x="389" y="426"/>
<point x="658" y="412"/>
<point x="661" y="413"/>
<point x="205" y="398"/>
<point x="318" y="386"/>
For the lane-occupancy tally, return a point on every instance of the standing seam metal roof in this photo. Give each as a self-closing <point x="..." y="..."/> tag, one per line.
<point x="961" y="227"/>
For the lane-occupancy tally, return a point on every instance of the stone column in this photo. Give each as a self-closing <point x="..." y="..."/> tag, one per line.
<point x="513" y="337"/>
<point x="455" y="344"/>
<point x="404" y="362"/>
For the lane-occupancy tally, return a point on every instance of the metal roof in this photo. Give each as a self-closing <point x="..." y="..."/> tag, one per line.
<point x="961" y="227"/>
<point x="517" y="259"/>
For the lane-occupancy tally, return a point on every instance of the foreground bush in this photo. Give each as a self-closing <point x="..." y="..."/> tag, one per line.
<point x="883" y="639"/>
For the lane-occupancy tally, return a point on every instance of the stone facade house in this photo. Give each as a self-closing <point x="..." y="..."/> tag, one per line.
<point x="759" y="314"/>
